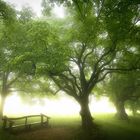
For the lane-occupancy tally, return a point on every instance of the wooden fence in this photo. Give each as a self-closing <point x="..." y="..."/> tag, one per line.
<point x="11" y="123"/>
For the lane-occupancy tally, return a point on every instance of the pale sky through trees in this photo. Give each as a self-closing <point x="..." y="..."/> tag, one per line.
<point x="36" y="6"/>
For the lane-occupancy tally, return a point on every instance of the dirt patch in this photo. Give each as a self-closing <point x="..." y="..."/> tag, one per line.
<point x="48" y="134"/>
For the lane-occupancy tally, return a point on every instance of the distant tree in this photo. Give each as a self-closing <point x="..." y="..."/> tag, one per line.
<point x="7" y="74"/>
<point x="134" y="105"/>
<point x="122" y="88"/>
<point x="7" y="18"/>
<point x="12" y="40"/>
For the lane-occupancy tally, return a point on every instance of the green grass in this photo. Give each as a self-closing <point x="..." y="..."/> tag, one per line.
<point x="119" y="130"/>
<point x="68" y="128"/>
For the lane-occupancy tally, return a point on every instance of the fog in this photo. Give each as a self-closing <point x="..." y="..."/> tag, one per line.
<point x="60" y="106"/>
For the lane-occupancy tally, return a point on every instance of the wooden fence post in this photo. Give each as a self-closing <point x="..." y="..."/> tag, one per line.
<point x="25" y="121"/>
<point x="10" y="125"/>
<point x="4" y="122"/>
<point x="41" y="119"/>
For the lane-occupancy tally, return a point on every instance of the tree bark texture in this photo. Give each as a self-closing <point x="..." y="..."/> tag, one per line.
<point x="86" y="117"/>
<point x="121" y="113"/>
<point x="2" y="101"/>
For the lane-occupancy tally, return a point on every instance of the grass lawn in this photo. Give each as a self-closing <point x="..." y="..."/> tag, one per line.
<point x="119" y="130"/>
<point x="68" y="128"/>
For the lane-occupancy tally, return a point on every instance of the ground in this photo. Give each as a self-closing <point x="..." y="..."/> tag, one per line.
<point x="48" y="134"/>
<point x="69" y="129"/>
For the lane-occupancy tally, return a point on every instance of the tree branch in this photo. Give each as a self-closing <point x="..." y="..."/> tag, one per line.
<point x="84" y="59"/>
<point x="121" y="69"/>
<point x="75" y="80"/>
<point x="65" y="86"/>
<point x="79" y="9"/>
<point x="103" y="77"/>
<point x="12" y="81"/>
<point x="96" y="69"/>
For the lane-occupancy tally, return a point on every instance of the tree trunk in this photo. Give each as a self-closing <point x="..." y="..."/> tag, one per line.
<point x="3" y="94"/>
<point x="134" y="111"/>
<point x="121" y="113"/>
<point x="86" y="117"/>
<point x="2" y="101"/>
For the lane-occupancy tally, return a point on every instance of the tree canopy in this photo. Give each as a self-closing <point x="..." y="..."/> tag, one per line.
<point x="96" y="39"/>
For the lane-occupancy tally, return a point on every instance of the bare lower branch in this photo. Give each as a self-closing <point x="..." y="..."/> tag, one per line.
<point x="75" y="81"/>
<point x="12" y="81"/>
<point x="84" y="59"/>
<point x="121" y="69"/>
<point x="65" y="86"/>
<point x="104" y="76"/>
<point x="96" y="68"/>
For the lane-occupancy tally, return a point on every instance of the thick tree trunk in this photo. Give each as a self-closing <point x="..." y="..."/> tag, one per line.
<point x="4" y="93"/>
<point x="134" y="111"/>
<point x="2" y="101"/>
<point x="86" y="117"/>
<point x="121" y="113"/>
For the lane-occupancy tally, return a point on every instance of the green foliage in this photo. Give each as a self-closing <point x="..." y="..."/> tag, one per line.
<point x="49" y="53"/>
<point x="123" y="87"/>
<point x="120" y="18"/>
<point x="25" y="14"/>
<point x="46" y="7"/>
<point x="7" y="13"/>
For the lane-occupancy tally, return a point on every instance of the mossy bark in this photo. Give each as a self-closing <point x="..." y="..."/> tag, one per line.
<point x="121" y="113"/>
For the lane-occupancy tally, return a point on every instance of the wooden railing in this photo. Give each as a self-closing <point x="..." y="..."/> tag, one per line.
<point x="10" y="123"/>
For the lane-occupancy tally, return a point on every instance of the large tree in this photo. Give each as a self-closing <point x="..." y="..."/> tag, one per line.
<point x="96" y="35"/>
<point x="7" y="19"/>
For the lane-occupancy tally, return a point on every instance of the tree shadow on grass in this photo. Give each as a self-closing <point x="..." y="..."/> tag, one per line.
<point x="96" y="134"/>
